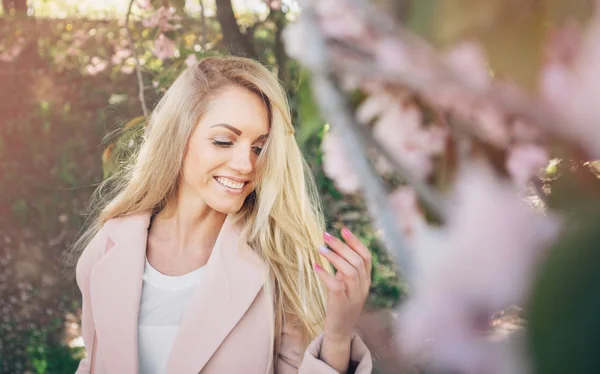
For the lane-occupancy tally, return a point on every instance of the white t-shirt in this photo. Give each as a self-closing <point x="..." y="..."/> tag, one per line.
<point x="163" y="302"/>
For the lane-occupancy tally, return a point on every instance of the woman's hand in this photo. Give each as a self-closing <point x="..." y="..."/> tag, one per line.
<point x="348" y="291"/>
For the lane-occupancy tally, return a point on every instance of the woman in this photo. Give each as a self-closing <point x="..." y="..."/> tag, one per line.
<point x="209" y="257"/>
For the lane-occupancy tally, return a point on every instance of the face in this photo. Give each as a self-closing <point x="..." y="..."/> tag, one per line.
<point x="220" y="163"/>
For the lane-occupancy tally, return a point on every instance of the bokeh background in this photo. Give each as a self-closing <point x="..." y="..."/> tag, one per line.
<point x="466" y="130"/>
<point x="70" y="111"/>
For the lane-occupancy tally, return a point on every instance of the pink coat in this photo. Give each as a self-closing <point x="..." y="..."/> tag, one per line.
<point x="225" y="329"/>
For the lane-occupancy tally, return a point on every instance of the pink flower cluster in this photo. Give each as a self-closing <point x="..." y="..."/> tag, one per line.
<point x="569" y="82"/>
<point x="163" y="18"/>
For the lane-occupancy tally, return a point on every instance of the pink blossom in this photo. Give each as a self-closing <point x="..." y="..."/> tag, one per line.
<point x="468" y="62"/>
<point x="525" y="161"/>
<point x="481" y="261"/>
<point x="339" y="20"/>
<point x="191" y="60"/>
<point x="12" y="52"/>
<point x="120" y="55"/>
<point x="392" y="55"/>
<point x="127" y="69"/>
<point x="336" y="164"/>
<point x="569" y="83"/>
<point x="96" y="66"/>
<point x="162" y="18"/>
<point x="164" y="47"/>
<point x="403" y="200"/>
<point x="400" y="132"/>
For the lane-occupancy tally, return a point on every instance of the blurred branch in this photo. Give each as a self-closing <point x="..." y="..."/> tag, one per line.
<point x="337" y="111"/>
<point x="138" y="69"/>
<point x="203" y="24"/>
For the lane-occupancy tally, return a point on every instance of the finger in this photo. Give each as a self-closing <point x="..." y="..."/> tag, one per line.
<point x="340" y="263"/>
<point x="333" y="285"/>
<point x="347" y="253"/>
<point x="355" y="243"/>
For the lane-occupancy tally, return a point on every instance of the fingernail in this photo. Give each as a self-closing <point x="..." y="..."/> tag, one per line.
<point x="318" y="267"/>
<point x="327" y="237"/>
<point x="345" y="232"/>
<point x="323" y="249"/>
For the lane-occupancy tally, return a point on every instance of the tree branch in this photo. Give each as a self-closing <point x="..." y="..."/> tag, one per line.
<point x="336" y="110"/>
<point x="138" y="69"/>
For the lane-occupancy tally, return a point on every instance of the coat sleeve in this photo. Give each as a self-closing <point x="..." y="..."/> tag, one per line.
<point x="92" y="253"/>
<point x="292" y="360"/>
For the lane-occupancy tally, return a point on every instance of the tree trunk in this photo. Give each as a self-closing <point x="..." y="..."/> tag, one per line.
<point x="237" y="42"/>
<point x="19" y="6"/>
<point x="279" y="50"/>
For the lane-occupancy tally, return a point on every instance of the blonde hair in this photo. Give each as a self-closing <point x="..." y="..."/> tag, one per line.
<point x="283" y="218"/>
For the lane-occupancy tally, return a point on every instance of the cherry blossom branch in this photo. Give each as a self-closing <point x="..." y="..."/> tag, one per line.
<point x="429" y="197"/>
<point x="138" y="69"/>
<point x="509" y="100"/>
<point x="336" y="110"/>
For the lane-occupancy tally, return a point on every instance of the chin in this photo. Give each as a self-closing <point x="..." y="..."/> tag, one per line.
<point x="226" y="208"/>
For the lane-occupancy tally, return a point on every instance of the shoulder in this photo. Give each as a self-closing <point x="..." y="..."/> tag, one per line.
<point x="92" y="252"/>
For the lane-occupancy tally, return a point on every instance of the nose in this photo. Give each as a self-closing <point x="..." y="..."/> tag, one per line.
<point x="241" y="161"/>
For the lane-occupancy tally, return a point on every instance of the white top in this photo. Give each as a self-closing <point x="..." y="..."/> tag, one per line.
<point x="163" y="302"/>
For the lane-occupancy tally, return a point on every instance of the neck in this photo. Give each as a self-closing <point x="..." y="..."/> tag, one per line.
<point x="188" y="225"/>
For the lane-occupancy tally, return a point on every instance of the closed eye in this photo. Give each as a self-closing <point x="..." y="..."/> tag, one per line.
<point x="222" y="144"/>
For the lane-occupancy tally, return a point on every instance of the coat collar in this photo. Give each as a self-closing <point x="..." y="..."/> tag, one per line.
<point x="232" y="277"/>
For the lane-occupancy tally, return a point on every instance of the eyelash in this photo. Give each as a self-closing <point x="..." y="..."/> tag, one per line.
<point x="256" y="150"/>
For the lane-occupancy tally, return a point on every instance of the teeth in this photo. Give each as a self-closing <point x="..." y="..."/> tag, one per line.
<point x="231" y="184"/>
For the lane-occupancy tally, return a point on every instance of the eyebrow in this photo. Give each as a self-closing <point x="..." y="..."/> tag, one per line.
<point x="237" y="131"/>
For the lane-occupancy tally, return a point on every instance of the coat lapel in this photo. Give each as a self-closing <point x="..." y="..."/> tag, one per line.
<point x="232" y="277"/>
<point x="115" y="286"/>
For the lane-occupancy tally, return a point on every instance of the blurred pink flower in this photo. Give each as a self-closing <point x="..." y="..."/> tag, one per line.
<point x="96" y="66"/>
<point x="162" y="18"/>
<point x="127" y="69"/>
<point x="164" y="47"/>
<point x="120" y="55"/>
<point x="392" y="55"/>
<point x="482" y="261"/>
<point x="525" y="161"/>
<point x="336" y="164"/>
<point x="468" y="61"/>
<point x="569" y="83"/>
<point x="399" y="130"/>
<point x="404" y="202"/>
<point x="191" y="60"/>
<point x="12" y="52"/>
<point x="338" y="20"/>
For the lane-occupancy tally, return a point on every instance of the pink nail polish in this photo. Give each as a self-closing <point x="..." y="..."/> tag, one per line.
<point x="318" y="267"/>
<point x="345" y="232"/>
<point x="327" y="237"/>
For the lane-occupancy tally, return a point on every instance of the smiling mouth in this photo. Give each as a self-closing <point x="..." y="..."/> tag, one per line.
<point x="230" y="184"/>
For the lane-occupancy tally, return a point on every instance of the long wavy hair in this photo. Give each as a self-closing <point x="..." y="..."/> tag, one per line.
<point x="283" y="218"/>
